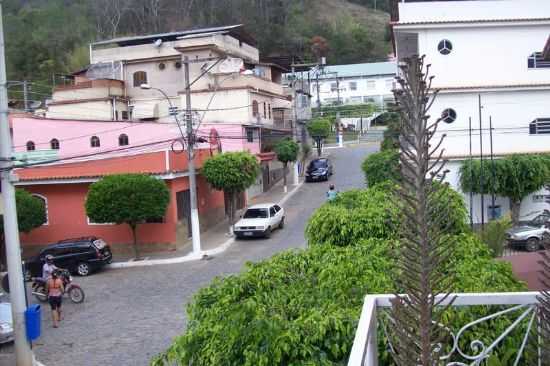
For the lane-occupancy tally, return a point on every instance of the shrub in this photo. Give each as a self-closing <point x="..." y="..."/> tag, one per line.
<point x="381" y="166"/>
<point x="302" y="307"/>
<point x="375" y="213"/>
<point x="494" y="235"/>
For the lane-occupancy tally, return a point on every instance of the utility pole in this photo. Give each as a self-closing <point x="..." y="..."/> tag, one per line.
<point x="195" y="228"/>
<point x="26" y="95"/>
<point x="23" y="353"/>
<point x="295" y="127"/>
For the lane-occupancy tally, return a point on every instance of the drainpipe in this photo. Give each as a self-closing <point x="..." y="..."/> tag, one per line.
<point x="114" y="109"/>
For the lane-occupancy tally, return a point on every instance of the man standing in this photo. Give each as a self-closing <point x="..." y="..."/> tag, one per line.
<point x="331" y="194"/>
<point x="54" y="289"/>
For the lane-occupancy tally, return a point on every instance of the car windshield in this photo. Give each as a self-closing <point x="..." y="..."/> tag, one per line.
<point x="539" y="220"/>
<point x="256" y="213"/>
<point x="316" y="164"/>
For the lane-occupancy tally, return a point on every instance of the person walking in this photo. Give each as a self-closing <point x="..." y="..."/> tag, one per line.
<point x="54" y="289"/>
<point x="331" y="194"/>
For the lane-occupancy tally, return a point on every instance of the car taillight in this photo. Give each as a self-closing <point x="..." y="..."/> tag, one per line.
<point x="98" y="253"/>
<point x="99" y="244"/>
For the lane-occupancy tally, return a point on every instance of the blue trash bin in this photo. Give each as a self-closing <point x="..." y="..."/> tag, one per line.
<point x="32" y="322"/>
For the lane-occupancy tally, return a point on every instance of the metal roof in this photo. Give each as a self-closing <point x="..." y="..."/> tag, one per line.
<point x="236" y="30"/>
<point x="366" y="69"/>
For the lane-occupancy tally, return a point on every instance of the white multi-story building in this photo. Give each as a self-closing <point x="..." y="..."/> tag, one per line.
<point x="354" y="84"/>
<point x="491" y="62"/>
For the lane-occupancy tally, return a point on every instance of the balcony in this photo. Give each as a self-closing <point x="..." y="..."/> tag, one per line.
<point x="256" y="83"/>
<point x="101" y="88"/>
<point x="517" y="307"/>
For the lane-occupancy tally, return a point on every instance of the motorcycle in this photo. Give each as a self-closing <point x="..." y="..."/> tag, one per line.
<point x="74" y="291"/>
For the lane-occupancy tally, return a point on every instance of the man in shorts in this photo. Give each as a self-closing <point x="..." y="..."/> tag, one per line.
<point x="54" y="289"/>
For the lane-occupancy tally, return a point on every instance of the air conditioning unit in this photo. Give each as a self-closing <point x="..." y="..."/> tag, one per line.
<point x="145" y="110"/>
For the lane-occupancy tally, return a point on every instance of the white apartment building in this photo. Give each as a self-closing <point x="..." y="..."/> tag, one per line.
<point x="491" y="62"/>
<point x="354" y="84"/>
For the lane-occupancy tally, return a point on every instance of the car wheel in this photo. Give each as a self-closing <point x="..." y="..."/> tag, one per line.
<point x="532" y="244"/>
<point x="83" y="269"/>
<point x="268" y="232"/>
<point x="282" y="223"/>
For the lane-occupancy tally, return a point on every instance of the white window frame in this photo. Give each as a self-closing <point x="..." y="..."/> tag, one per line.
<point x="371" y="84"/>
<point x="90" y="223"/>
<point x="42" y="197"/>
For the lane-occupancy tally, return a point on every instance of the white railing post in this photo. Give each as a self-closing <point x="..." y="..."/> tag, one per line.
<point x="372" y="342"/>
<point x="364" y="351"/>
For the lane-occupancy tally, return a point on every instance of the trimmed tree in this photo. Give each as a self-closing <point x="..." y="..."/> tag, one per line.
<point x="319" y="129"/>
<point x="130" y="199"/>
<point x="31" y="213"/>
<point x="515" y="177"/>
<point x="381" y="166"/>
<point x="287" y="151"/>
<point x="232" y="173"/>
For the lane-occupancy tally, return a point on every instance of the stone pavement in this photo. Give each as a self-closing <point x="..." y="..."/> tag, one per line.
<point x="526" y="267"/>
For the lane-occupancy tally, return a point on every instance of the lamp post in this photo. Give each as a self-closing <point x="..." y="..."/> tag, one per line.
<point x="195" y="225"/>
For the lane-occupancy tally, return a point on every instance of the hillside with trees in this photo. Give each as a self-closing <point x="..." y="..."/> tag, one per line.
<point x="47" y="37"/>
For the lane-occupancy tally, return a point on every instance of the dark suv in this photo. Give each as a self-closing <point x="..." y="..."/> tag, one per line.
<point x="319" y="169"/>
<point x="78" y="255"/>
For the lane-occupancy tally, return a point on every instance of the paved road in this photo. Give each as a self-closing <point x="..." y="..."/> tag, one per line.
<point x="132" y="314"/>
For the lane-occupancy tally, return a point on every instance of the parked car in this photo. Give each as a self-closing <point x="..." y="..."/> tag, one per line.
<point x="531" y="235"/>
<point x="260" y="220"/>
<point x="319" y="169"/>
<point x="6" y="323"/>
<point x="79" y="255"/>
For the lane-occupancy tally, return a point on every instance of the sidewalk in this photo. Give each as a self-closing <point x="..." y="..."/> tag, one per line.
<point x="213" y="241"/>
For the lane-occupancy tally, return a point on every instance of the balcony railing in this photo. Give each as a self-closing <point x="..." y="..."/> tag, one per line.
<point x="518" y="307"/>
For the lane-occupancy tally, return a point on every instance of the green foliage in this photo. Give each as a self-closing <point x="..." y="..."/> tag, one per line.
<point x="127" y="199"/>
<point x="302" y="307"/>
<point x="391" y="135"/>
<point x="231" y="171"/>
<point x="319" y="127"/>
<point x="381" y="166"/>
<point x="375" y="213"/>
<point x="287" y="150"/>
<point x="494" y="234"/>
<point x="31" y="212"/>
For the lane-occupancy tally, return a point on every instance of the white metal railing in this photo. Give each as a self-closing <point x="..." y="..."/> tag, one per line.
<point x="365" y="346"/>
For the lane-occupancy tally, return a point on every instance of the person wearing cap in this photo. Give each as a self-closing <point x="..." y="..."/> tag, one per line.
<point x="48" y="268"/>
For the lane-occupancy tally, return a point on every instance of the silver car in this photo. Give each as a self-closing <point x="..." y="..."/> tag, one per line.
<point x="6" y="323"/>
<point x="531" y="235"/>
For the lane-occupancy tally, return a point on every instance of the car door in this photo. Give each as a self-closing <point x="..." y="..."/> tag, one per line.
<point x="280" y="213"/>
<point x="272" y="217"/>
<point x="62" y="256"/>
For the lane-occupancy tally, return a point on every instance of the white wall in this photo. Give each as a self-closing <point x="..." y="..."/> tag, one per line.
<point x="375" y="87"/>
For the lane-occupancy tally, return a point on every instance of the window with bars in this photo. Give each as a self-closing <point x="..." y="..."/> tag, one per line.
<point x="249" y="135"/>
<point x="94" y="141"/>
<point x="54" y="144"/>
<point x="123" y="140"/>
<point x="265" y="110"/>
<point x="30" y="146"/>
<point x="352" y="85"/>
<point x="255" y="109"/>
<point x="140" y="77"/>
<point x="537" y="61"/>
<point x="540" y="126"/>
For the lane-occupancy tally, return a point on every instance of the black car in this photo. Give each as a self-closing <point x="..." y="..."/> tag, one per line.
<point x="318" y="169"/>
<point x="78" y="255"/>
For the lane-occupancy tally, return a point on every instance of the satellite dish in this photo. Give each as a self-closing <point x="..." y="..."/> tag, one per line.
<point x="158" y="43"/>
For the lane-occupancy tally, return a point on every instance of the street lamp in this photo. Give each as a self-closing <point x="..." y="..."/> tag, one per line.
<point x="195" y="226"/>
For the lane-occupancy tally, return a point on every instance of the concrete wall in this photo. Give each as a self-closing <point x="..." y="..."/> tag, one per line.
<point x="96" y="110"/>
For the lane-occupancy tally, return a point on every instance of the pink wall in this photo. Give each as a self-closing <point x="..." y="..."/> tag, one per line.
<point x="232" y="136"/>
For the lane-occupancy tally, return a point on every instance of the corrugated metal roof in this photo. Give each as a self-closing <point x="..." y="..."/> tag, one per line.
<point x="169" y="36"/>
<point x="471" y="21"/>
<point x="366" y="69"/>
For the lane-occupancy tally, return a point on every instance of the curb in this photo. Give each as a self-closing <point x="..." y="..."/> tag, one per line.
<point x="193" y="257"/>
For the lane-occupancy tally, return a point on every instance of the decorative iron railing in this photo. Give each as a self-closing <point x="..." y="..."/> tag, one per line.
<point x="518" y="307"/>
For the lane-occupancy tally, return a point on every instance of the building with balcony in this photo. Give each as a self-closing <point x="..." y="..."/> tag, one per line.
<point x="354" y="84"/>
<point x="508" y="90"/>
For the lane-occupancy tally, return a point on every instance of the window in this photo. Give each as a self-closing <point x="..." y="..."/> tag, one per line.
<point x="249" y="135"/>
<point x="445" y="47"/>
<point x="540" y="126"/>
<point x="265" y="111"/>
<point x="269" y="110"/>
<point x="353" y="85"/>
<point x="177" y="65"/>
<point x="448" y="115"/>
<point x="94" y="141"/>
<point x="389" y="84"/>
<point x="124" y="114"/>
<point x="277" y="208"/>
<point x="371" y="84"/>
<point x="333" y="87"/>
<point x="272" y="212"/>
<point x="123" y="140"/>
<point x="255" y="213"/>
<point x="255" y="109"/>
<point x="162" y="66"/>
<point x="494" y="212"/>
<point x="540" y="198"/>
<point x="45" y="201"/>
<point x="30" y="146"/>
<point x="537" y="61"/>
<point x="54" y="144"/>
<point x="140" y="77"/>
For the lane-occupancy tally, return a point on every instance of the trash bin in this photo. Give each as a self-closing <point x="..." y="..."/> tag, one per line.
<point x="32" y="322"/>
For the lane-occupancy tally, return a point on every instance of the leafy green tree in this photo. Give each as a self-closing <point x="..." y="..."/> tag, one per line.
<point x="514" y="176"/>
<point x="232" y="173"/>
<point x="287" y="151"/>
<point x="129" y="199"/>
<point x="31" y="213"/>
<point x="319" y="129"/>
<point x="381" y="166"/>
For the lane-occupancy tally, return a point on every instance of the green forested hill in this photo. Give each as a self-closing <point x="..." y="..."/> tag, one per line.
<point x="44" y="37"/>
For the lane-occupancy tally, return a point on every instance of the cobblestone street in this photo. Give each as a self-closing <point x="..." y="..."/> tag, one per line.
<point x="132" y="314"/>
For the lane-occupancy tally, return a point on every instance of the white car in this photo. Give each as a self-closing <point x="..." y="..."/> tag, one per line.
<point x="260" y="220"/>
<point x="6" y="323"/>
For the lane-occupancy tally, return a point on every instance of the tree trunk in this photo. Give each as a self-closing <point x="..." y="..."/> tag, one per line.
<point x="285" y="165"/>
<point x="134" y="235"/>
<point x="318" y="141"/>
<point x="232" y="210"/>
<point x="515" y="206"/>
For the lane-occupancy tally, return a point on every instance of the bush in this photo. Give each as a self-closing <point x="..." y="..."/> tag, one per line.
<point x="374" y="213"/>
<point x="494" y="235"/>
<point x="302" y="307"/>
<point x="381" y="166"/>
